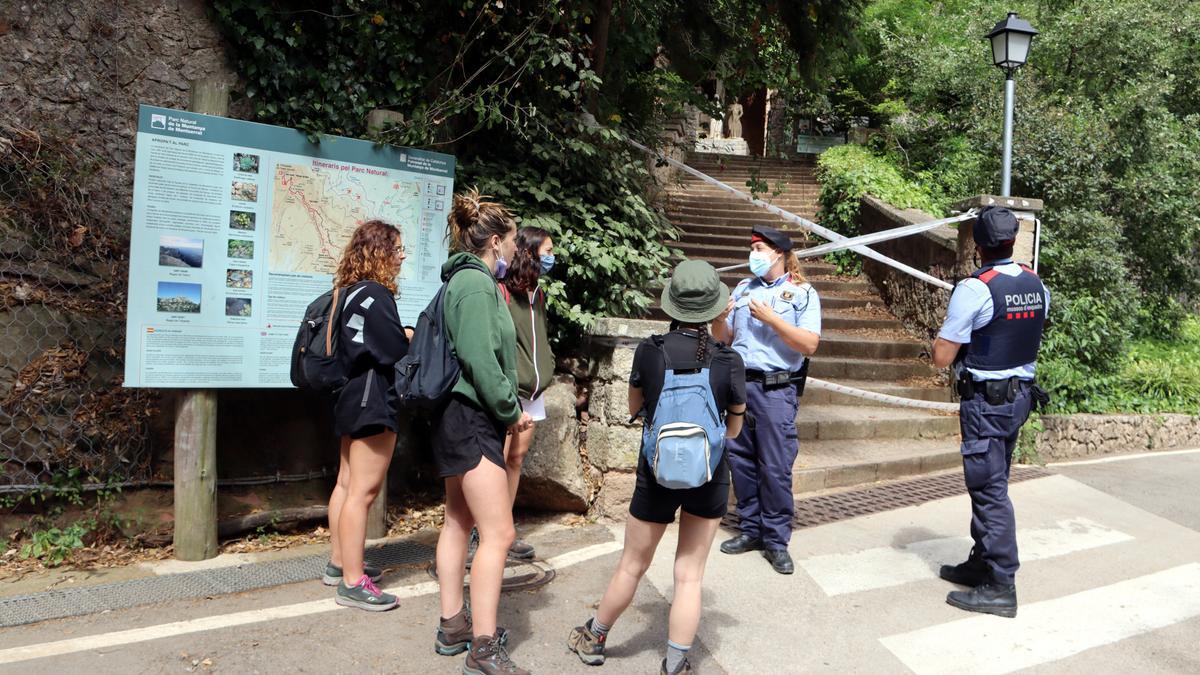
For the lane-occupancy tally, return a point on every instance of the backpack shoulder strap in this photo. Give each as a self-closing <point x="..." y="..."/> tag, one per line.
<point x="333" y="307"/>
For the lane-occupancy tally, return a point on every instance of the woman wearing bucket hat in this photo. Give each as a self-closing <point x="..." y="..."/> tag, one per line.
<point x="661" y="365"/>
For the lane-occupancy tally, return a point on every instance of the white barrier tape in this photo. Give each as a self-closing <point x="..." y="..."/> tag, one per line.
<point x="885" y="235"/>
<point x="883" y="398"/>
<point x="872" y="238"/>
<point x="791" y="217"/>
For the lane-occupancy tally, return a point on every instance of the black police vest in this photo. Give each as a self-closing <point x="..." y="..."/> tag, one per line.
<point x="1014" y="335"/>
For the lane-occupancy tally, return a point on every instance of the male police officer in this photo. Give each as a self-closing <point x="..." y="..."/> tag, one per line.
<point x="774" y="322"/>
<point x="992" y="333"/>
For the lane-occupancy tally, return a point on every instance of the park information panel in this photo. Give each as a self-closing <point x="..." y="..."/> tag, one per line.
<point x="237" y="226"/>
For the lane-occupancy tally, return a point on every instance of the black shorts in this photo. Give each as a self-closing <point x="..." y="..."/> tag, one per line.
<point x="462" y="435"/>
<point x="657" y="504"/>
<point x="365" y="406"/>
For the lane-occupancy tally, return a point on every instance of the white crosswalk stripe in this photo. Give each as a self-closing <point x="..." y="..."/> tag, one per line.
<point x="1052" y="629"/>
<point x="882" y="567"/>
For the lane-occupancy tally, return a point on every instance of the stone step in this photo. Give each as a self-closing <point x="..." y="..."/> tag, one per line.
<point x="832" y="320"/>
<point x="805" y="159"/>
<point x="723" y="199"/>
<point x="741" y="222"/>
<point x="684" y="209"/>
<point x="736" y="238"/>
<point x="854" y="422"/>
<point x="857" y="346"/>
<point x="787" y="188"/>
<point x="741" y="249"/>
<point x="810" y="269"/>
<point x="738" y="231"/>
<point x="787" y="185"/>
<point x="816" y="396"/>
<point x="823" y="465"/>
<point x="880" y="370"/>
<point x="828" y="301"/>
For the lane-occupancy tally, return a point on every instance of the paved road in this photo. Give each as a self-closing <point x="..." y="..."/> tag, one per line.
<point x="1107" y="585"/>
<point x="1162" y="483"/>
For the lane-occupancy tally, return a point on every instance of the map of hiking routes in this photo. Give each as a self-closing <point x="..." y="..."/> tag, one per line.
<point x="317" y="206"/>
<point x="237" y="226"/>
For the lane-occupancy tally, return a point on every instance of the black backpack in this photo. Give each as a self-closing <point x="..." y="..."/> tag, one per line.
<point x="426" y="375"/>
<point x="316" y="362"/>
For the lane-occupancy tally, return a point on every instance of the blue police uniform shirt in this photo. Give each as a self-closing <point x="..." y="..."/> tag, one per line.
<point x="971" y="309"/>
<point x="760" y="346"/>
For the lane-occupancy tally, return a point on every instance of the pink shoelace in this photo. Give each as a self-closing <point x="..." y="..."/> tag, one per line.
<point x="369" y="586"/>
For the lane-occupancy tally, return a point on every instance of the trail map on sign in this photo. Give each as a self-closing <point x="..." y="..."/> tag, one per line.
<point x="316" y="208"/>
<point x="238" y="226"/>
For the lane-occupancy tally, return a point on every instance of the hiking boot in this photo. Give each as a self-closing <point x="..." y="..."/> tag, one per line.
<point x="488" y="656"/>
<point x="586" y="644"/>
<point x="741" y="544"/>
<point x="973" y="572"/>
<point x="780" y="559"/>
<point x="333" y="574"/>
<point x="455" y="634"/>
<point x="989" y="598"/>
<point x="684" y="668"/>
<point x="520" y="550"/>
<point x="364" y="595"/>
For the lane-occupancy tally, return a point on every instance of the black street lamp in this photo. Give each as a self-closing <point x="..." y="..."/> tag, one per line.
<point x="1010" y="48"/>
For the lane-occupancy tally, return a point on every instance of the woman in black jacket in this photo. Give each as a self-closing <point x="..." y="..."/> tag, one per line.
<point x="372" y="340"/>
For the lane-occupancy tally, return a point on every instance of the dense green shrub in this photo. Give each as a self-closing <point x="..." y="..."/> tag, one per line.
<point x="501" y="85"/>
<point x="1105" y="133"/>
<point x="849" y="172"/>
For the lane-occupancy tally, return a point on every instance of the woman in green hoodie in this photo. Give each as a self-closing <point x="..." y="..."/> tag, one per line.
<point x="469" y="434"/>
<point x="534" y="257"/>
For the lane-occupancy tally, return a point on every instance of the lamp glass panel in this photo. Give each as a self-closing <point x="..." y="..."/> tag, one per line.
<point x="999" y="49"/>
<point x="1018" y="47"/>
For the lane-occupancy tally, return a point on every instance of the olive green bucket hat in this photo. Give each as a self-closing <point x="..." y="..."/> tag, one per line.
<point x="695" y="293"/>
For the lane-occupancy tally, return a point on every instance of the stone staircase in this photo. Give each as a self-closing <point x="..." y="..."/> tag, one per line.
<point x="844" y="440"/>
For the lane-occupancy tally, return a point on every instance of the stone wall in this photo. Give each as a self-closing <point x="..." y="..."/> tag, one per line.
<point x="612" y="443"/>
<point x="76" y="72"/>
<point x="919" y="305"/>
<point x="1069" y="437"/>
<point x="83" y="68"/>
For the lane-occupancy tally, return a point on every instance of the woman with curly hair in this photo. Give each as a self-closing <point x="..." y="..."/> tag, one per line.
<point x="372" y="340"/>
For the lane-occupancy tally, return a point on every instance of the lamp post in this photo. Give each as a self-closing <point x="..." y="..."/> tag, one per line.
<point x="1010" y="47"/>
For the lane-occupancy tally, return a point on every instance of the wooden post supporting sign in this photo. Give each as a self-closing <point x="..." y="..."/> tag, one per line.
<point x="196" y="417"/>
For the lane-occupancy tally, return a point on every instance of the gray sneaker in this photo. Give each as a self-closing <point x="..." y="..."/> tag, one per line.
<point x="364" y="595"/>
<point x="333" y="574"/>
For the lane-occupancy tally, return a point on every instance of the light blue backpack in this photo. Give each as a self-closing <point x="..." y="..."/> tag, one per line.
<point x="684" y="441"/>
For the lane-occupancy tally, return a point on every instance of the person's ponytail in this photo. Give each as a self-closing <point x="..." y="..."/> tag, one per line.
<point x="473" y="220"/>
<point x="793" y="269"/>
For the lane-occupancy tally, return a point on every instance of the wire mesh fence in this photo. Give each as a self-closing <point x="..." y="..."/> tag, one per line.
<point x="64" y="417"/>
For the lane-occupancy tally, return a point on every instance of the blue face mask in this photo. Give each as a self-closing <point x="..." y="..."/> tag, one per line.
<point x="501" y="267"/>
<point x="760" y="263"/>
<point x="547" y="262"/>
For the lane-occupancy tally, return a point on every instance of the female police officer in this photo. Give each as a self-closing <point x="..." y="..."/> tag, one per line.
<point x="774" y="322"/>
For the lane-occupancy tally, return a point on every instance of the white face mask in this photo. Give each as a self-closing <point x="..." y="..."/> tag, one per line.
<point x="760" y="263"/>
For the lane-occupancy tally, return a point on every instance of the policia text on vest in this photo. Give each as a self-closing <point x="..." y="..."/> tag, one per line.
<point x="992" y="334"/>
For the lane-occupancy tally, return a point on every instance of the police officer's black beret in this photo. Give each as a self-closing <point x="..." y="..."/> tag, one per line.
<point x="995" y="227"/>
<point x="772" y="236"/>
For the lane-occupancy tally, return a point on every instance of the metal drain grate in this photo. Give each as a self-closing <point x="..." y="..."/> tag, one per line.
<point x="813" y="511"/>
<point x="519" y="575"/>
<point x="23" y="609"/>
